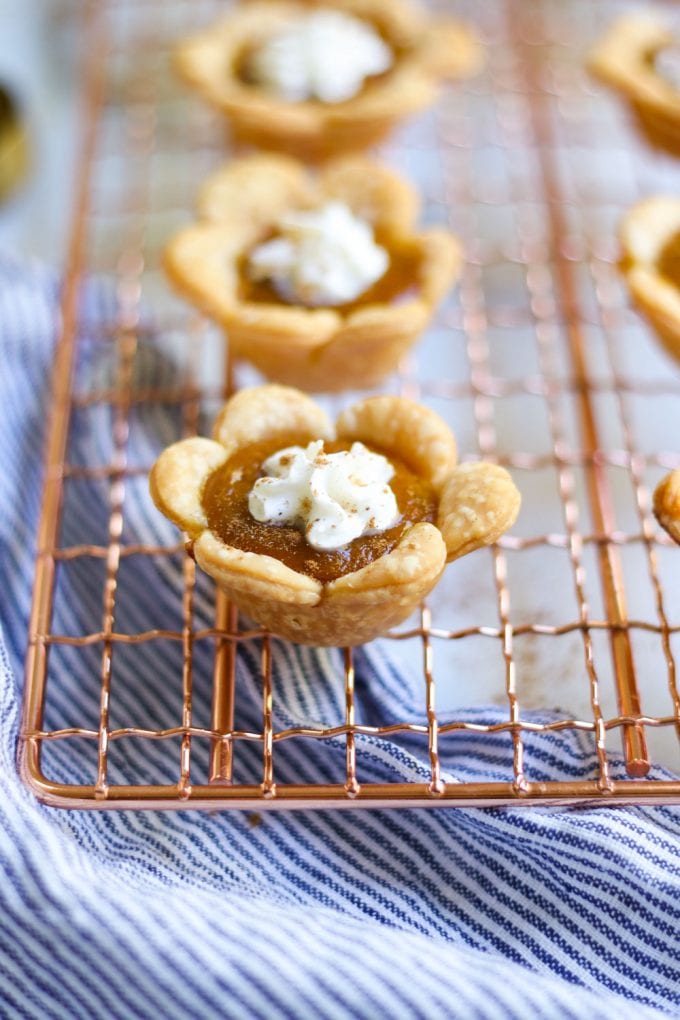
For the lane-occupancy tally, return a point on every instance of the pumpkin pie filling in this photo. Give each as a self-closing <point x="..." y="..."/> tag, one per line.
<point x="668" y="262"/>
<point x="225" y="502"/>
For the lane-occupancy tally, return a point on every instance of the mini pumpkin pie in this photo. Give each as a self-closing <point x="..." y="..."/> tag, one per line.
<point x="329" y="535"/>
<point x="641" y="59"/>
<point x="317" y="79"/>
<point x="321" y="282"/>
<point x="667" y="504"/>
<point x="650" y="242"/>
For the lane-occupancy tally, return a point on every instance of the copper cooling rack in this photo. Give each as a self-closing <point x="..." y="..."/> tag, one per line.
<point x="536" y="361"/>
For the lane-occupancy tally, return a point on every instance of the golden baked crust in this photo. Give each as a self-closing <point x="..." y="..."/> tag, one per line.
<point x="624" y="58"/>
<point x="311" y="348"/>
<point x="667" y="504"/>
<point x="478" y="503"/>
<point x="427" y="50"/>
<point x="645" y="231"/>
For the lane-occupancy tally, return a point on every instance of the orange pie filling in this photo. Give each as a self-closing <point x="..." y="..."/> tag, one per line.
<point x="225" y="503"/>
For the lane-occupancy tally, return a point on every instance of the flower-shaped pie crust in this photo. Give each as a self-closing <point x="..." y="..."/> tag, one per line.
<point x="647" y="233"/>
<point x="476" y="504"/>
<point x="426" y="51"/>
<point x="625" y="59"/>
<point x="316" y="349"/>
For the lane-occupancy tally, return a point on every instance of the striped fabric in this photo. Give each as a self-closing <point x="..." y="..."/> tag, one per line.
<point x="489" y="914"/>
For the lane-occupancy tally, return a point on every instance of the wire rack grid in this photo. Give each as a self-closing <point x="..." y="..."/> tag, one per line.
<point x="537" y="363"/>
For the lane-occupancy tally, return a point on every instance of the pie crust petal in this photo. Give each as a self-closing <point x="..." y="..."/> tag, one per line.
<point x="373" y="192"/>
<point x="406" y="429"/>
<point x="621" y="57"/>
<point x="624" y="59"/>
<point x="647" y="228"/>
<point x="265" y="412"/>
<point x="645" y="231"/>
<point x="442" y="258"/>
<point x="479" y="502"/>
<point x="177" y="479"/>
<point x="452" y="49"/>
<point x="255" y="189"/>
<point x="253" y="578"/>
<point x="261" y="187"/>
<point x="667" y="504"/>
<point x="360" y="354"/>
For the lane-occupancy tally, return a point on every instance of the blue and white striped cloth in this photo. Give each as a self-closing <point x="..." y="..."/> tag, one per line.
<point x="486" y="914"/>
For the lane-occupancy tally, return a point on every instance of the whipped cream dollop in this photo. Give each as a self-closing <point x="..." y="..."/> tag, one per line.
<point x="324" y="55"/>
<point x="325" y="256"/>
<point x="332" y="497"/>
